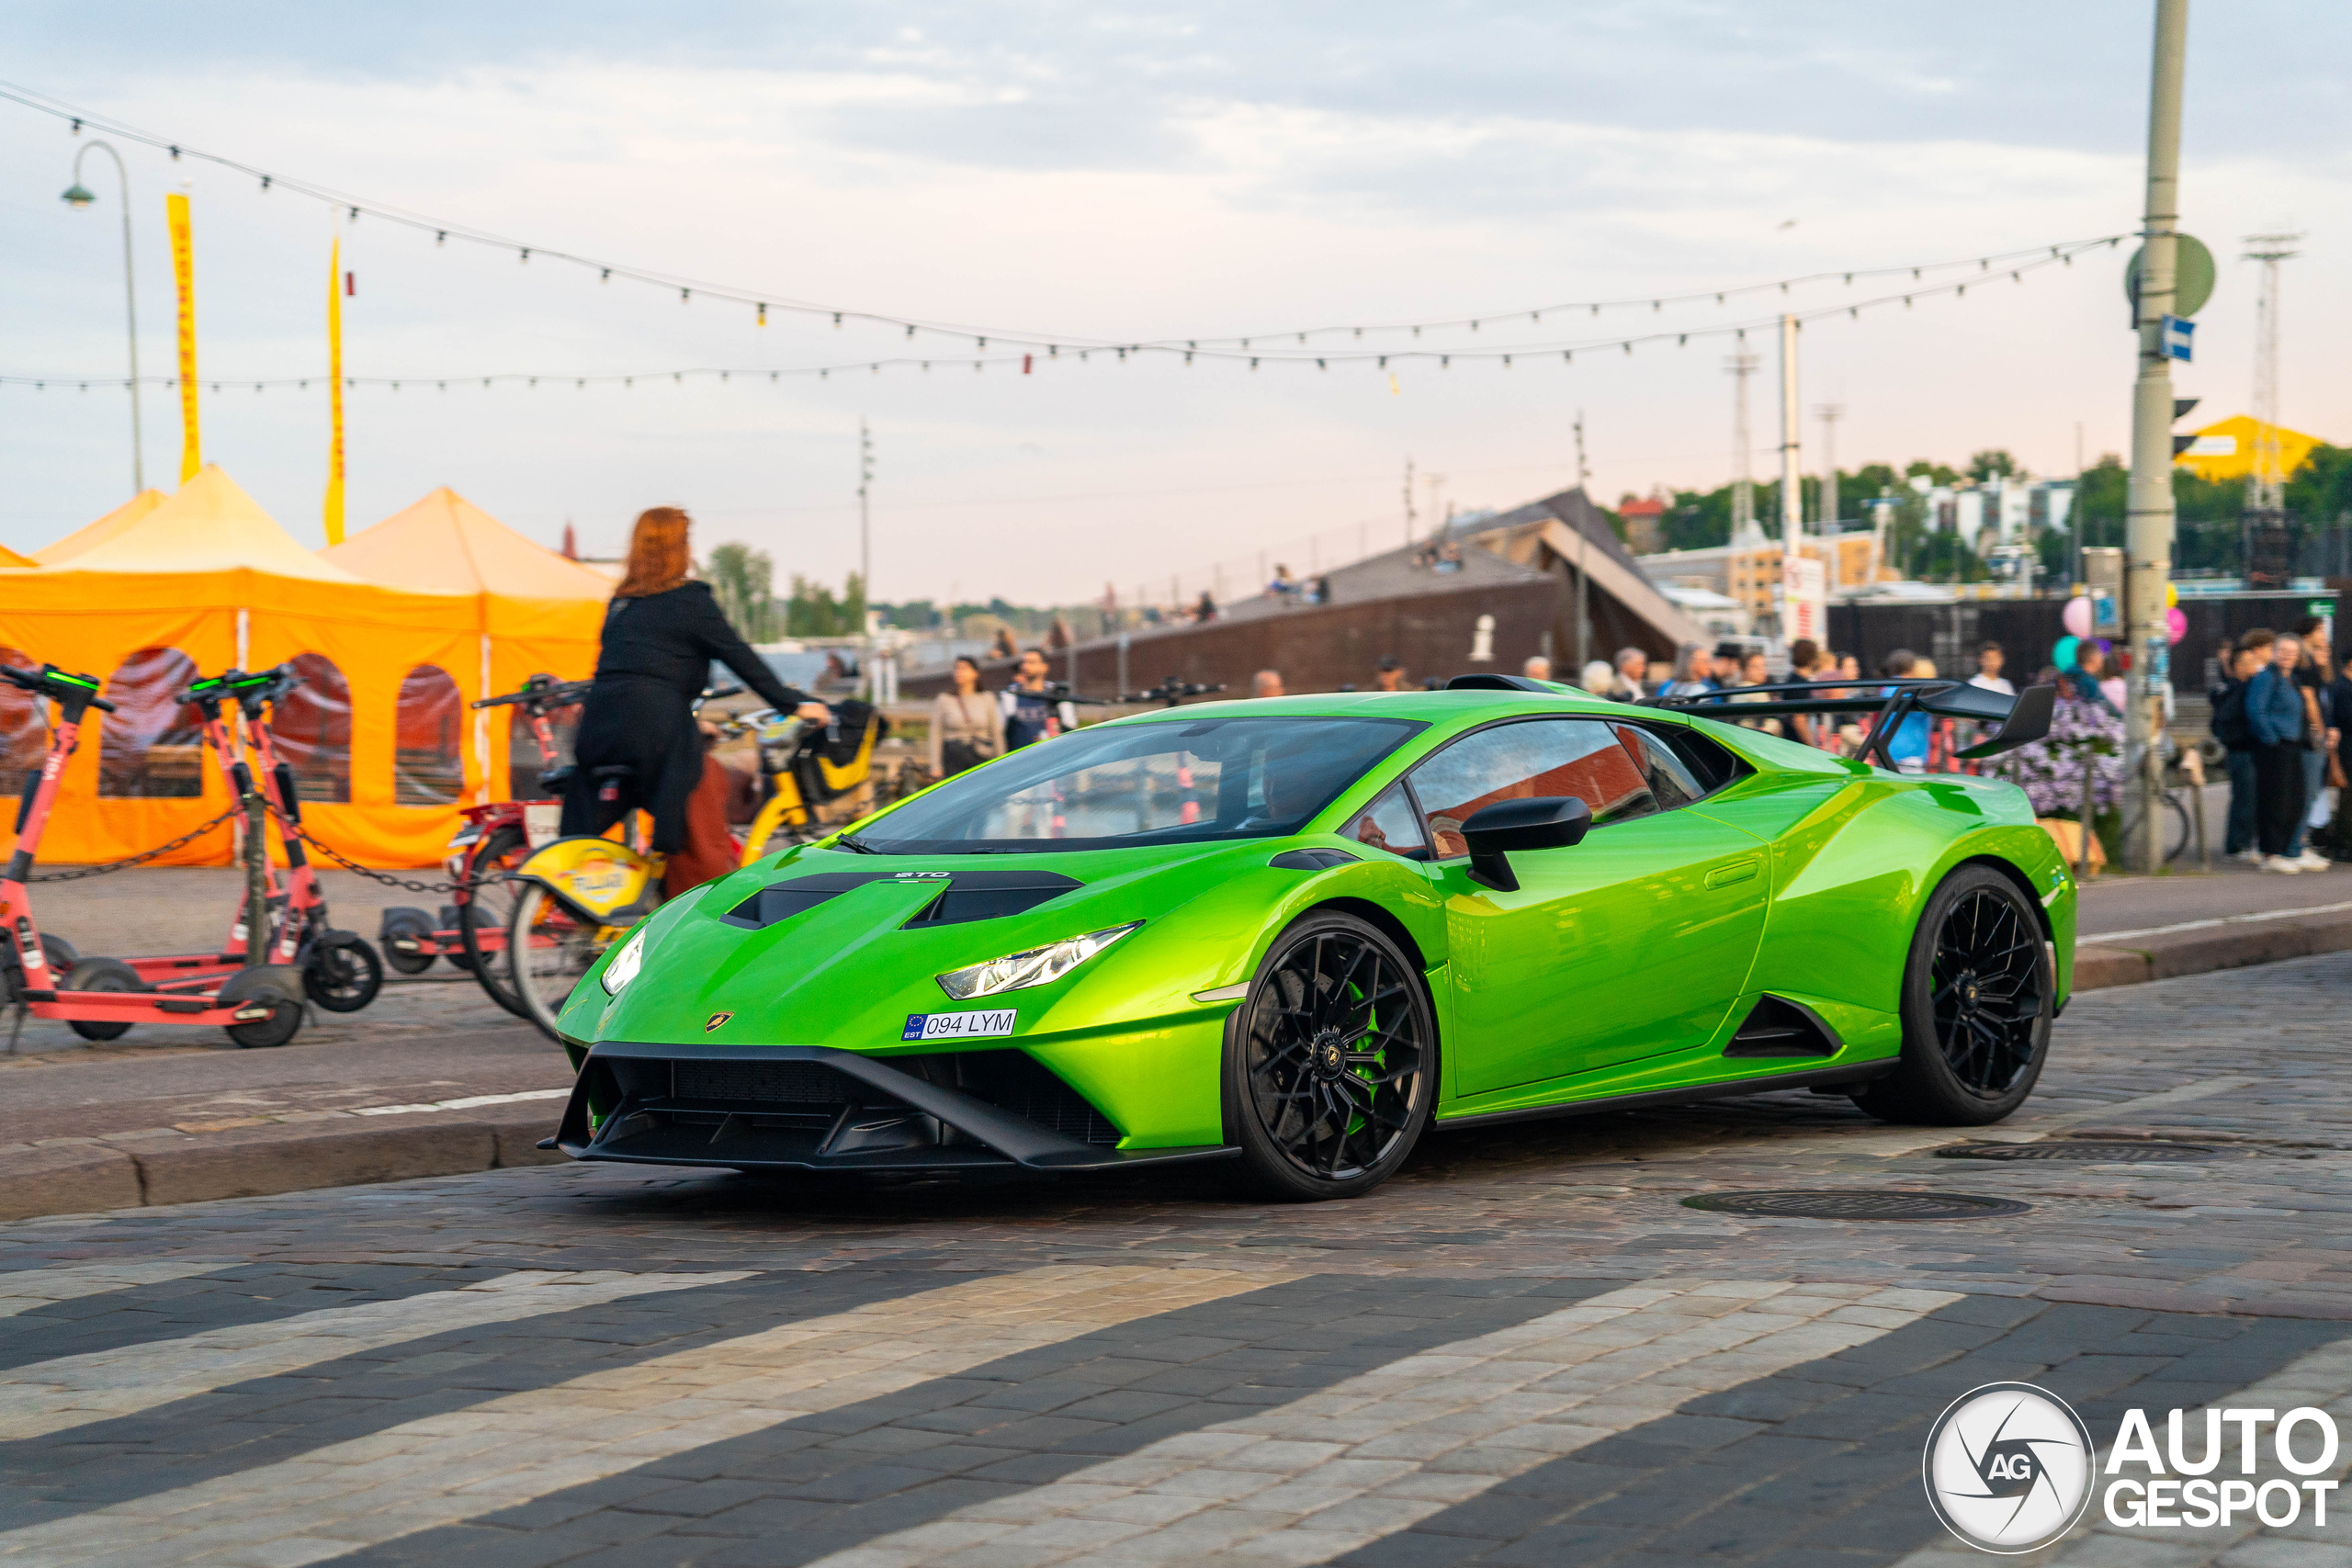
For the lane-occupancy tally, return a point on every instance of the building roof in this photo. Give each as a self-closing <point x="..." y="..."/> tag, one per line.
<point x="2225" y="451"/>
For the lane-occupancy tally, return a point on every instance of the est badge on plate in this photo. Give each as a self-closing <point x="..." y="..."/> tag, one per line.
<point x="958" y="1025"/>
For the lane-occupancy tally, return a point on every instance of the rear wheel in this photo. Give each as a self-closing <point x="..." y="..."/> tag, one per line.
<point x="342" y="977"/>
<point x="409" y="926"/>
<point x="278" y="1017"/>
<point x="1330" y="1064"/>
<point x="1977" y="995"/>
<point x="489" y="908"/>
<point x="100" y="975"/>
<point x="547" y="951"/>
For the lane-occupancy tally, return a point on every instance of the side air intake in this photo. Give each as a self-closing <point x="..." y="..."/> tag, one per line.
<point x="1779" y="1027"/>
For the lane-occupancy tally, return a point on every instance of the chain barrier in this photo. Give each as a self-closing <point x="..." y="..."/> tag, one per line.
<point x="142" y="857"/>
<point x="403" y="884"/>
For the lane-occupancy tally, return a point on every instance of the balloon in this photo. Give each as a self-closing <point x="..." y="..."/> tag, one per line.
<point x="2175" y="624"/>
<point x="2078" y="617"/>
<point x="2172" y="598"/>
<point x="2062" y="656"/>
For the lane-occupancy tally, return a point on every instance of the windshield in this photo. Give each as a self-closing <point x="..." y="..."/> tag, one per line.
<point x="1118" y="786"/>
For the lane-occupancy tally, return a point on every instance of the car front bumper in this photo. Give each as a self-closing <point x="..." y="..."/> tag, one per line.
<point x="815" y="1108"/>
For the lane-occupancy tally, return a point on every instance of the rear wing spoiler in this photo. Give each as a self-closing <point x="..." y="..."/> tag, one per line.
<point x="2023" y="719"/>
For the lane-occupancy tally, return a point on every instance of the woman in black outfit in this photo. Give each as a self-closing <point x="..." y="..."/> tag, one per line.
<point x="661" y="631"/>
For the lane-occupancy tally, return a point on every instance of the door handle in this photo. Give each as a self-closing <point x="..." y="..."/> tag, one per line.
<point x="1737" y="871"/>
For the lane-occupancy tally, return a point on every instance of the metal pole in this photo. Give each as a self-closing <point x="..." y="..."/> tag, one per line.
<point x="865" y="543"/>
<point x="1792" y="488"/>
<point x="130" y="307"/>
<point x="2149" y="522"/>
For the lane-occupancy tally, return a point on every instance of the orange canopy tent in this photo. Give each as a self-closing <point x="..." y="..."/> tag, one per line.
<point x="538" y="611"/>
<point x="155" y="594"/>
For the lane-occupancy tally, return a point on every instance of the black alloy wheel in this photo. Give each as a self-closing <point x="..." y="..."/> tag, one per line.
<point x="1333" y="1062"/>
<point x="489" y="910"/>
<point x="343" y="977"/>
<point x="1977" y="1004"/>
<point x="1987" y="990"/>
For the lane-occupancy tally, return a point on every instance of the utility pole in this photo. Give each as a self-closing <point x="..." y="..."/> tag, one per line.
<point x="2148" y="522"/>
<point x="1584" y="469"/>
<point x="1408" y="503"/>
<point x="1584" y="579"/>
<point x="2265" y="487"/>
<point x="1830" y="414"/>
<point x="865" y="545"/>
<point x="1792" y="488"/>
<point x="1743" y="489"/>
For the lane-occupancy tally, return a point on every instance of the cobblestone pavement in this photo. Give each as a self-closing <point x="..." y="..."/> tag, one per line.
<point x="1525" y="1350"/>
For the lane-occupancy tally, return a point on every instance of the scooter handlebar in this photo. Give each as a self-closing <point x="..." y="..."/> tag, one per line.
<point x="55" y="684"/>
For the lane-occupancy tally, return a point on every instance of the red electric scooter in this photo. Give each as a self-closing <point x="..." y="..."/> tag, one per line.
<point x="100" y="999"/>
<point x="493" y="840"/>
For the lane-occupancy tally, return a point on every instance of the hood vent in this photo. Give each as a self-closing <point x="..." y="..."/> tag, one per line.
<point x="990" y="896"/>
<point x="786" y="899"/>
<point x="1778" y="1027"/>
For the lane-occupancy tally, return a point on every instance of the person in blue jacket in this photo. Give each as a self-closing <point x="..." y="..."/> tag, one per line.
<point x="2274" y="717"/>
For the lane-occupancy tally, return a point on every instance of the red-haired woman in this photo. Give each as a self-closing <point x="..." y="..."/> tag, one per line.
<point x="661" y="632"/>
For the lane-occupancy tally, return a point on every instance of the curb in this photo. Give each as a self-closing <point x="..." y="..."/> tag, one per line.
<point x="75" y="1176"/>
<point x="2229" y="945"/>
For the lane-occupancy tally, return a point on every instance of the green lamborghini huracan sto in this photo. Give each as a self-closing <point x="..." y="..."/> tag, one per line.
<point x="1297" y="934"/>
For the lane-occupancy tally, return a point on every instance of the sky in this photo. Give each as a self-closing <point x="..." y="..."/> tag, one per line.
<point x="1107" y="172"/>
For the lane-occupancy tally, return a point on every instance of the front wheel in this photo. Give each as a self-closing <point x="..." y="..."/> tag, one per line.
<point x="342" y="977"/>
<point x="1331" y="1062"/>
<point x="548" y="950"/>
<point x="489" y="908"/>
<point x="1977" y="999"/>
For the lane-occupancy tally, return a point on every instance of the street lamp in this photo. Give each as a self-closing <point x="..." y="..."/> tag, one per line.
<point x="77" y="195"/>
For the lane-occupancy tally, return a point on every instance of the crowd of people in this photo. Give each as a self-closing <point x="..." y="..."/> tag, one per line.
<point x="2281" y="709"/>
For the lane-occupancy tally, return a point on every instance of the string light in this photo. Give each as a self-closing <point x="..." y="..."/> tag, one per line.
<point x="1501" y="353"/>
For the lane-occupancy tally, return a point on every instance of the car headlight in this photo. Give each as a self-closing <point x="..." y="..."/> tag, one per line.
<point x="624" y="963"/>
<point x="1038" y="966"/>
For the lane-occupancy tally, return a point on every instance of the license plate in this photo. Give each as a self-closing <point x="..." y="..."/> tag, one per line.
<point x="958" y="1025"/>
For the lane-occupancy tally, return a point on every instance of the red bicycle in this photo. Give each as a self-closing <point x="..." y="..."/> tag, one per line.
<point x="491" y="842"/>
<point x="100" y="999"/>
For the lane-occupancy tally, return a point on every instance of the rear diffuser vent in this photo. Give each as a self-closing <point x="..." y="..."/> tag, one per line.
<point x="1778" y="1027"/>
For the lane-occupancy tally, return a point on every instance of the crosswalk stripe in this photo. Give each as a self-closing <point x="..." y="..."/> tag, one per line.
<point x="72" y="1391"/>
<point x="2323" y="1379"/>
<point x="447" y="1468"/>
<point x="1336" y="1470"/>
<point x="25" y="1289"/>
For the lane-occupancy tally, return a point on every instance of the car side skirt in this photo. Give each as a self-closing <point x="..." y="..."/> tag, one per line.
<point x="1823" y="1078"/>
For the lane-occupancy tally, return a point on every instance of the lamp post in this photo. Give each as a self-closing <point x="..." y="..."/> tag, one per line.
<point x="77" y="195"/>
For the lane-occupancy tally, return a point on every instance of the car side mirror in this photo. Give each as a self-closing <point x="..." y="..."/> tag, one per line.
<point x="1541" y="822"/>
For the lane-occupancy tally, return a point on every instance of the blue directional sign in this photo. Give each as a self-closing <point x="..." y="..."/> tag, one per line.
<point x="2178" y="337"/>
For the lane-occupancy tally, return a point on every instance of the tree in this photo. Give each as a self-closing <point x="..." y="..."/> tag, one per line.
<point x="1984" y="465"/>
<point x="743" y="581"/>
<point x="1935" y="473"/>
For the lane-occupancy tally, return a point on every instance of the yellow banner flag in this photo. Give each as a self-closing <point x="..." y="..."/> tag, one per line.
<point x="335" y="395"/>
<point x="184" y="274"/>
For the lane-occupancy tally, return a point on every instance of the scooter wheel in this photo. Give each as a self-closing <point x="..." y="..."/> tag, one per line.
<point x="343" y="978"/>
<point x="257" y="988"/>
<point x="101" y="974"/>
<point x="405" y="925"/>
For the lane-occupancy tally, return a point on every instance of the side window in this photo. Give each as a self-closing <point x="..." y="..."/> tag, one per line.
<point x="1669" y="778"/>
<point x="152" y="746"/>
<point x="1390" y="823"/>
<point x="1536" y="757"/>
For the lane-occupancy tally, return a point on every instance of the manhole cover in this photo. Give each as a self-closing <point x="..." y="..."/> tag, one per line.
<point x="1857" y="1205"/>
<point x="2091" y="1151"/>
